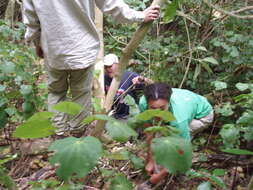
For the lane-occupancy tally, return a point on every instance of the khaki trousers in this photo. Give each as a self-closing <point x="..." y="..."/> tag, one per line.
<point x="70" y="85"/>
<point x="198" y="125"/>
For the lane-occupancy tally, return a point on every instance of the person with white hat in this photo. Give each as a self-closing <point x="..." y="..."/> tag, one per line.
<point x="65" y="35"/>
<point x="130" y="84"/>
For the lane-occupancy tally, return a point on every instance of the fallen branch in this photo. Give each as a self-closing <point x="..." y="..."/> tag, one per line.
<point x="232" y="13"/>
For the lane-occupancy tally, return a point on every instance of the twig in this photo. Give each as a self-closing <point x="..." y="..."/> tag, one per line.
<point x="168" y="183"/>
<point x="181" y="13"/>
<point x="190" y="50"/>
<point x="232" y="13"/>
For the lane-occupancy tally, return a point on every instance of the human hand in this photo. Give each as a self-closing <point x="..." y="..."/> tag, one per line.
<point x="150" y="166"/>
<point x="151" y="13"/>
<point x="137" y="80"/>
<point x="157" y="177"/>
<point x="39" y="52"/>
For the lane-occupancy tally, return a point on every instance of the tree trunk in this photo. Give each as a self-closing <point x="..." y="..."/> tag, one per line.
<point x="125" y="57"/>
<point x="10" y="12"/>
<point x="98" y="87"/>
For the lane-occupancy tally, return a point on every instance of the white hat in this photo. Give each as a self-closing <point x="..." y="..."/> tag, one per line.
<point x="110" y="59"/>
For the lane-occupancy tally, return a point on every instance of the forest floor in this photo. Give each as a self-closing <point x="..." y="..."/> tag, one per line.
<point x="31" y="164"/>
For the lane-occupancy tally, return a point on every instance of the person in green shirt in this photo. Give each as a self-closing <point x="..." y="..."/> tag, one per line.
<point x="193" y="114"/>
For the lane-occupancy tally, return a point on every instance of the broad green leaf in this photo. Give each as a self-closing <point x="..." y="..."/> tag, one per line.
<point x="133" y="107"/>
<point x="173" y="153"/>
<point x="11" y="111"/>
<point x="246" y="118"/>
<point x="120" y="182"/>
<point x="219" y="85"/>
<point x="70" y="108"/>
<point x="136" y="161"/>
<point x="202" y="48"/>
<point x="171" y="10"/>
<point x="92" y="118"/>
<point x="7" y="67"/>
<point x="238" y="151"/>
<point x="38" y="126"/>
<point x="219" y="172"/>
<point x="234" y="52"/>
<point x="210" y="60"/>
<point x="119" y="131"/>
<point x="229" y="134"/>
<point x="205" y="186"/>
<point x="107" y="173"/>
<point x="26" y="89"/>
<point x="75" y="156"/>
<point x="155" y="129"/>
<point x="149" y="114"/>
<point x="225" y="109"/>
<point x="242" y="86"/>
<point x="218" y="181"/>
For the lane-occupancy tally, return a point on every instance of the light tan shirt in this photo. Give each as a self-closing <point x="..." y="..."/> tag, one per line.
<point x="66" y="30"/>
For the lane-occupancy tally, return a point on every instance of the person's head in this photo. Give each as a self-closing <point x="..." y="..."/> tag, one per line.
<point x="111" y="64"/>
<point x="158" y="95"/>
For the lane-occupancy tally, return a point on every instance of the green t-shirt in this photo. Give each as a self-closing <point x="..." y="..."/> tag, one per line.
<point x="185" y="106"/>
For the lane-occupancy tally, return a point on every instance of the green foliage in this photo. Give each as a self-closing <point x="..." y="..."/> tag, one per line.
<point x="175" y="154"/>
<point x="214" y="179"/>
<point x="6" y="180"/>
<point x="70" y="108"/>
<point x="238" y="151"/>
<point x="120" y="131"/>
<point x="55" y="185"/>
<point x="75" y="156"/>
<point x="230" y="135"/>
<point x="38" y="126"/>
<point x="150" y="114"/>
<point x="18" y="76"/>
<point x="120" y="182"/>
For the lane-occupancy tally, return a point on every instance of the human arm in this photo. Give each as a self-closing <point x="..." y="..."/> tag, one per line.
<point x="123" y="13"/>
<point x="140" y="79"/>
<point x="32" y="23"/>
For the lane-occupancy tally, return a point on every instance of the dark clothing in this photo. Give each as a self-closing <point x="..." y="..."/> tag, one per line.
<point x="121" y="109"/>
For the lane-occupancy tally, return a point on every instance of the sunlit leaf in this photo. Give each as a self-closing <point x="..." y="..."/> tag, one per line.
<point x="120" y="131"/>
<point x="38" y="126"/>
<point x="175" y="154"/>
<point x="149" y="114"/>
<point x="75" y="156"/>
<point x="68" y="107"/>
<point x="242" y="86"/>
<point x="170" y="11"/>
<point x="201" y="48"/>
<point x="219" y="85"/>
<point x="210" y="60"/>
<point x="26" y="89"/>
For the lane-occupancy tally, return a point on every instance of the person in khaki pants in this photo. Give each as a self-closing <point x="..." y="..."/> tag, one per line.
<point x="65" y="35"/>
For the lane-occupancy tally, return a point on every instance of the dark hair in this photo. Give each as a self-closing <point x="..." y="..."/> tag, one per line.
<point x="157" y="91"/>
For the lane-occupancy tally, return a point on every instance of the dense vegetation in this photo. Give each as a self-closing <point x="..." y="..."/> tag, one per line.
<point x="199" y="49"/>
